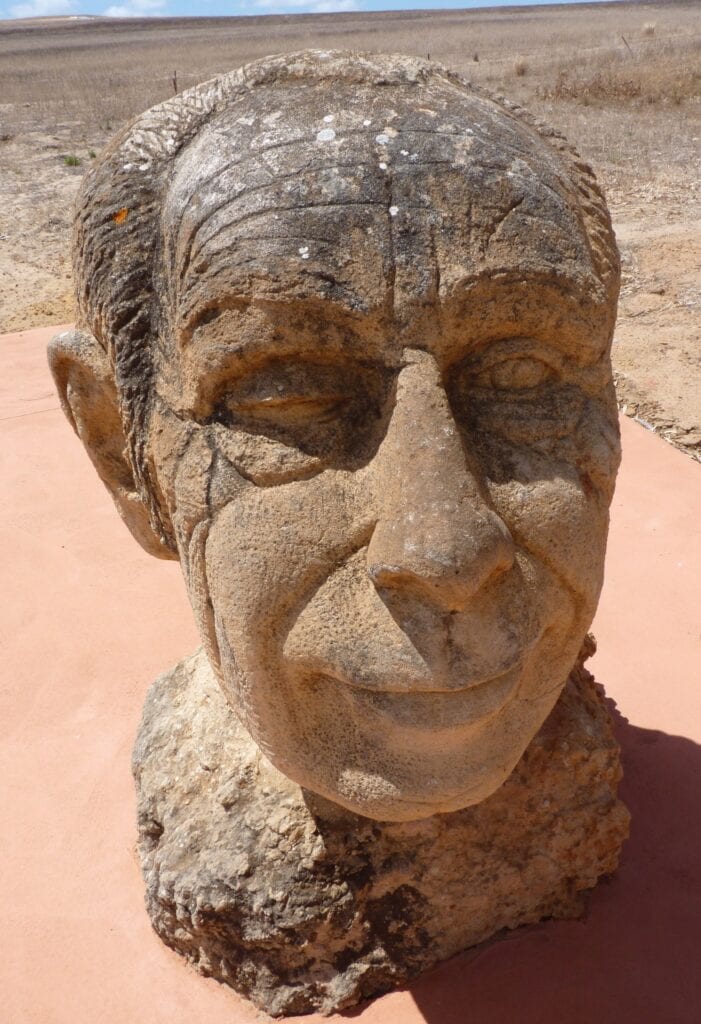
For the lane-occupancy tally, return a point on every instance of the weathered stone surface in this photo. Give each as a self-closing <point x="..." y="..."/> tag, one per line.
<point x="301" y="905"/>
<point x="343" y="351"/>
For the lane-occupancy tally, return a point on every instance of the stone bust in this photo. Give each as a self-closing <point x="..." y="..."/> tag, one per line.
<point x="344" y="353"/>
<point x="343" y="350"/>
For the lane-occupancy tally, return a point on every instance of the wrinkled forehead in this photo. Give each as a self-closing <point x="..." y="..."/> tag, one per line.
<point x="367" y="195"/>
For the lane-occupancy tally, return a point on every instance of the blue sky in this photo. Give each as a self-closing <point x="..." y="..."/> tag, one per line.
<point x="155" y="8"/>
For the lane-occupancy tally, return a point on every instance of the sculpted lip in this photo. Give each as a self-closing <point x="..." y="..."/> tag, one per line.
<point x="421" y="688"/>
<point x="421" y="710"/>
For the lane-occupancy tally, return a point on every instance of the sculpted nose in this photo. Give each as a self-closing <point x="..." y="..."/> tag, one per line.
<point x="435" y="534"/>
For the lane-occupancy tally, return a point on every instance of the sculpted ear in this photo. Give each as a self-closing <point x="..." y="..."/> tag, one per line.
<point x="88" y="397"/>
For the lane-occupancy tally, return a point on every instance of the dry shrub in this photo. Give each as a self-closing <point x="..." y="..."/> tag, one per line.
<point x="520" y="67"/>
<point x="649" y="28"/>
<point x="668" y="75"/>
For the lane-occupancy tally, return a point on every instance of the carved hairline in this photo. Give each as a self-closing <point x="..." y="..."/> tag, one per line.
<point x="120" y="202"/>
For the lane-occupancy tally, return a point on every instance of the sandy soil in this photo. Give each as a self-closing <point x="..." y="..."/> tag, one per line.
<point x="645" y="157"/>
<point x="657" y="345"/>
<point x="37" y="191"/>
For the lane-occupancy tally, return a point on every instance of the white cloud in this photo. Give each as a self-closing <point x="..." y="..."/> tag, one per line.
<point x="308" y="6"/>
<point x="42" y="8"/>
<point x="136" y="9"/>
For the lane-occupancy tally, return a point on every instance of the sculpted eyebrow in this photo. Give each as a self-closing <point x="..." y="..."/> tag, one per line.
<point x="549" y="310"/>
<point x="344" y="331"/>
<point x="207" y="312"/>
<point x="202" y="301"/>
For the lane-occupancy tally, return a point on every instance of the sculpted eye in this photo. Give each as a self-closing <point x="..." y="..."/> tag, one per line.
<point x="287" y="418"/>
<point x="290" y="408"/>
<point x="285" y="394"/>
<point x="516" y="373"/>
<point x="514" y="395"/>
<point x="289" y="401"/>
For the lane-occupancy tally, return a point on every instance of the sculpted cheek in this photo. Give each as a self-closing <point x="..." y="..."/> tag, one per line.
<point x="169" y="439"/>
<point x="272" y="547"/>
<point x="191" y="487"/>
<point x="599" y="448"/>
<point x="561" y="526"/>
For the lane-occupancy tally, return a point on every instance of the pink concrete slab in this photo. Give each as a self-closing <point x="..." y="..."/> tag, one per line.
<point x="89" y="621"/>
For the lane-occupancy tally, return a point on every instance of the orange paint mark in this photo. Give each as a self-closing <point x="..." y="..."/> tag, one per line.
<point x="120" y="216"/>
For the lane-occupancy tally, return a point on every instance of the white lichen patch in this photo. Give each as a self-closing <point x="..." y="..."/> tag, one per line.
<point x="367" y="122"/>
<point x="328" y="118"/>
<point x="386" y="135"/>
<point x="393" y="211"/>
<point x="382" y="166"/>
<point x="304" y="252"/>
<point x="326" y="135"/>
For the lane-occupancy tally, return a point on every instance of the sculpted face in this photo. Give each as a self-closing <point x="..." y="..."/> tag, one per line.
<point x="383" y="430"/>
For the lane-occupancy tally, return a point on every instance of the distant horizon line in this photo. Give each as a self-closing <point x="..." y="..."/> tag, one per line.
<point x="482" y="5"/>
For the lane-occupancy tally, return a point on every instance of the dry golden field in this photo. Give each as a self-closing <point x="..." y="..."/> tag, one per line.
<point x="622" y="80"/>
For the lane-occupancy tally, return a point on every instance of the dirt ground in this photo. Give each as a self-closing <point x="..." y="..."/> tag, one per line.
<point x="634" y="113"/>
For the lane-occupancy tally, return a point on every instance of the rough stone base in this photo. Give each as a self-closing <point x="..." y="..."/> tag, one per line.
<point x="300" y="906"/>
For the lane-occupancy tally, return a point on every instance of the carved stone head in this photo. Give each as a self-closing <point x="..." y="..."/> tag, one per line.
<point x="343" y="351"/>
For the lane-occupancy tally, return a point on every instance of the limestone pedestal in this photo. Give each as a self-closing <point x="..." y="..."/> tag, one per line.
<point x="300" y="906"/>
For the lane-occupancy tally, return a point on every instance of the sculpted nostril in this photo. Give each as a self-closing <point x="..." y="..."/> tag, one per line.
<point x="447" y="563"/>
<point x="382" y="575"/>
<point x="503" y="542"/>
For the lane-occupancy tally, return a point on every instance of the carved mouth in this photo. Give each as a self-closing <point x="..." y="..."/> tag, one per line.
<point x="423" y="710"/>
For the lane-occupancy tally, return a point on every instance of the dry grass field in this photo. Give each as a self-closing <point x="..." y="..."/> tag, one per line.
<point x="622" y="80"/>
